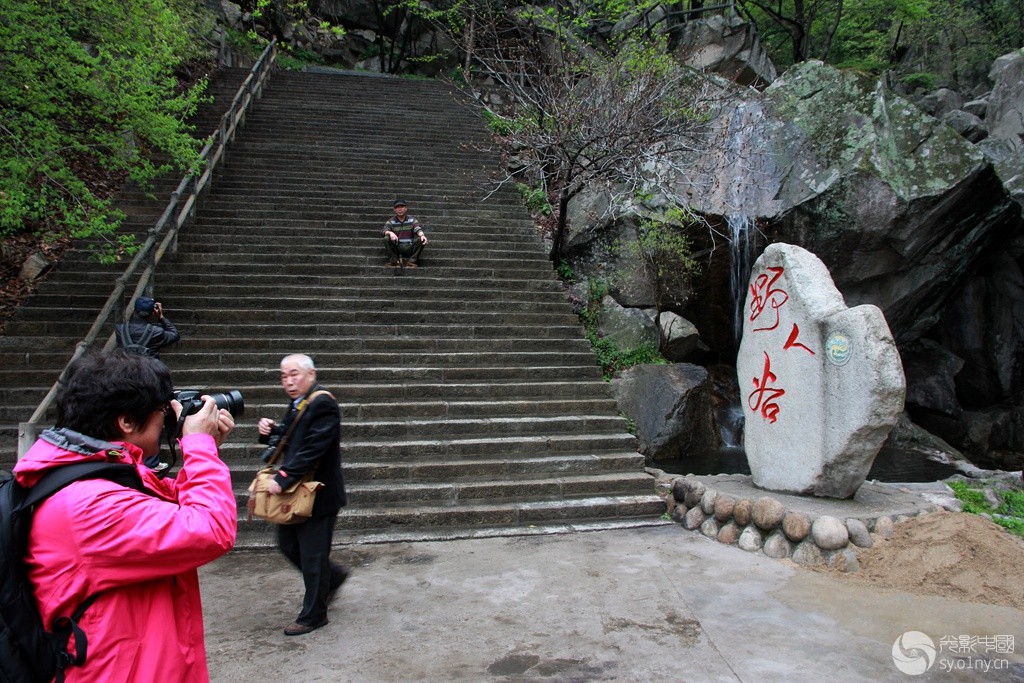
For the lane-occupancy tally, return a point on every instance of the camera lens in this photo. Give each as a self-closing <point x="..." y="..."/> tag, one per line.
<point x="191" y="401"/>
<point x="231" y="402"/>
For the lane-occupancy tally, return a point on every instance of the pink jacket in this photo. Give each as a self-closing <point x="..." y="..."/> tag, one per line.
<point x="140" y="552"/>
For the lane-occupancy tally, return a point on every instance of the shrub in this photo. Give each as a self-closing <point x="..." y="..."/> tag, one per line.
<point x="1009" y="514"/>
<point x="89" y="97"/>
<point x="536" y="199"/>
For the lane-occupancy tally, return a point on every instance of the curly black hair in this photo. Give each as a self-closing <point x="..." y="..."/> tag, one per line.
<point x="100" y="387"/>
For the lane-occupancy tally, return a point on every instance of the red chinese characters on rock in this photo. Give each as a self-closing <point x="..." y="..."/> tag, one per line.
<point x="762" y="398"/>
<point x="767" y="296"/>
<point x="792" y="343"/>
<point x="763" y="295"/>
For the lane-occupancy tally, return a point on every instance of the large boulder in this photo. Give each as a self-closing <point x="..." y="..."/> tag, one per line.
<point x="941" y="102"/>
<point x="680" y="340"/>
<point x="1005" y="111"/>
<point x="822" y="384"/>
<point x="727" y="46"/>
<point x="984" y="326"/>
<point x="1004" y="119"/>
<point x="629" y="329"/>
<point x="969" y="126"/>
<point x="898" y="206"/>
<point x="672" y="408"/>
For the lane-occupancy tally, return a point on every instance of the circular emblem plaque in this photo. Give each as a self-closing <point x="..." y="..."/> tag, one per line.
<point x="838" y="348"/>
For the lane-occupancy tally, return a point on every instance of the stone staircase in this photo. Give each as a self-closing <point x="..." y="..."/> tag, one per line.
<point x="471" y="401"/>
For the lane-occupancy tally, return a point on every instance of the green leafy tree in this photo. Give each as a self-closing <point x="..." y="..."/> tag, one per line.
<point x="663" y="248"/>
<point x="954" y="41"/>
<point x="399" y="22"/>
<point x="873" y="33"/>
<point x="88" y="87"/>
<point x="959" y="42"/>
<point x="806" y="28"/>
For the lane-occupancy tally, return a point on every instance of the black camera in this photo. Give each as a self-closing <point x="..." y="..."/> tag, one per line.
<point x="191" y="403"/>
<point x="272" y="441"/>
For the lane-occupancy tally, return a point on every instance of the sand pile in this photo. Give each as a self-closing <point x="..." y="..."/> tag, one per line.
<point x="949" y="554"/>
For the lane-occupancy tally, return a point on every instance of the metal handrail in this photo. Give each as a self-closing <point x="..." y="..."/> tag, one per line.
<point x="190" y="187"/>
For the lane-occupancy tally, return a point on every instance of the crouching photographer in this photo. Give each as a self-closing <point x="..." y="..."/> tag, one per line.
<point x="127" y="550"/>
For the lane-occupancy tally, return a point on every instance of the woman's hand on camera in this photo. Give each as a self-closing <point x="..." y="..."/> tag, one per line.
<point x="209" y="420"/>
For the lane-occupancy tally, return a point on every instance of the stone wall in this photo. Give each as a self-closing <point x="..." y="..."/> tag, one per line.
<point x="773" y="526"/>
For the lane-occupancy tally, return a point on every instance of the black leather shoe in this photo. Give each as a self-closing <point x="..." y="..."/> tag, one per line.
<point x="297" y="629"/>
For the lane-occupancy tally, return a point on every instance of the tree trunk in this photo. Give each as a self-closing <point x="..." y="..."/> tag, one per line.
<point x="559" y="238"/>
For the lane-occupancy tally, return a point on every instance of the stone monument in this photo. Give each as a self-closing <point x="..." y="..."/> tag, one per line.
<point x="822" y="385"/>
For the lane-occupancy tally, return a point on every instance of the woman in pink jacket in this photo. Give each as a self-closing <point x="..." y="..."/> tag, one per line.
<point x="136" y="551"/>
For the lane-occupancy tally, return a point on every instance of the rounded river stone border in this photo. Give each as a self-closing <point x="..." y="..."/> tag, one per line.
<point x="764" y="525"/>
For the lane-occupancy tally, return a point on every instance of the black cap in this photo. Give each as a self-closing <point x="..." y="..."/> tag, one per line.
<point x="399" y="202"/>
<point x="145" y="304"/>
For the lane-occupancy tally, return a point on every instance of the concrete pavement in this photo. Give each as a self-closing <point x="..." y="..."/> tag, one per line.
<point x="637" y="604"/>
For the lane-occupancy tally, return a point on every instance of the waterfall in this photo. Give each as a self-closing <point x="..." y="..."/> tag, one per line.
<point x="742" y="252"/>
<point x="736" y="171"/>
<point x="730" y="426"/>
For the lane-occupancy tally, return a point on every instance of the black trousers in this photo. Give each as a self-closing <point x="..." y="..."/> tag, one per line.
<point x="406" y="250"/>
<point x="308" y="547"/>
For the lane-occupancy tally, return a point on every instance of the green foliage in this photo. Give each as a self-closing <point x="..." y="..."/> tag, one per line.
<point x="955" y="40"/>
<point x="565" y="271"/>
<point x="499" y="125"/>
<point x="662" y="245"/>
<point x="582" y="105"/>
<point x="295" y="59"/>
<point x="630" y="423"/>
<point x="610" y="357"/>
<point x="401" y="23"/>
<point x="536" y="199"/>
<point x="598" y="289"/>
<point x="1013" y="504"/>
<point x="973" y="499"/>
<point x="613" y="359"/>
<point x="1009" y="514"/>
<point x="89" y="85"/>
<point x="926" y="81"/>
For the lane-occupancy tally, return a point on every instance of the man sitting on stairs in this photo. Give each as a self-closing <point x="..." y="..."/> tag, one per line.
<point x="403" y="237"/>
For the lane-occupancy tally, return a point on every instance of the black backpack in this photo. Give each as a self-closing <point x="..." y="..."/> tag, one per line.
<point x="140" y="347"/>
<point x="29" y="653"/>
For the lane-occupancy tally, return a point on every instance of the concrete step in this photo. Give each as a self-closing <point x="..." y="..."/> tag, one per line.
<point x="363" y="523"/>
<point x="265" y="404"/>
<point x="443" y="448"/>
<point x="231" y="349"/>
<point x="410" y="427"/>
<point x="269" y="393"/>
<point x="181" y="282"/>
<point x="490" y="487"/>
<point x="523" y="467"/>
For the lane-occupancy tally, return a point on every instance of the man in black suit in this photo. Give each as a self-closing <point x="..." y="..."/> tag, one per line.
<point x="312" y="446"/>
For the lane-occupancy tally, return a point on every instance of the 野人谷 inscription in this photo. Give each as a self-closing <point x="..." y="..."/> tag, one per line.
<point x="822" y="383"/>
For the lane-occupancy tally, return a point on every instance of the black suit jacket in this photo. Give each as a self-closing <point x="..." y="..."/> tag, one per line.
<point x="314" y="446"/>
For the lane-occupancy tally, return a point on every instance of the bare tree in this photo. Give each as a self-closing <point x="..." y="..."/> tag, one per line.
<point x="576" y="114"/>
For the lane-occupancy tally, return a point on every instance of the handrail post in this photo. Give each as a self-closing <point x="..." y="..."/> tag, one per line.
<point x="28" y="432"/>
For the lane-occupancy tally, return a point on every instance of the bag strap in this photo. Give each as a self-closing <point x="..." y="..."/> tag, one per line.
<point x="59" y="477"/>
<point x="53" y="481"/>
<point x="302" y="409"/>
<point x="126" y="335"/>
<point x="65" y="628"/>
